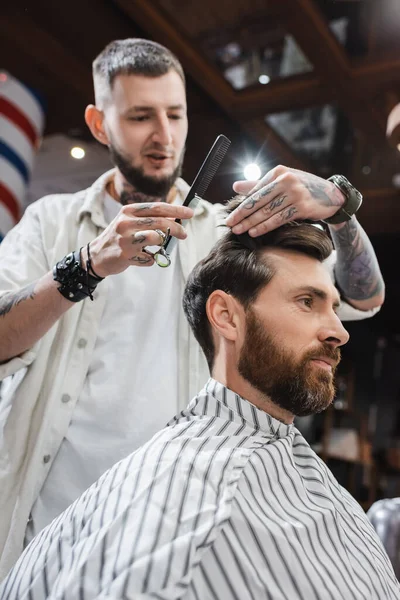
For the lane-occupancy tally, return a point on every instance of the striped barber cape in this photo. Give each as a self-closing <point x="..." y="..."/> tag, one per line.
<point x="225" y="503"/>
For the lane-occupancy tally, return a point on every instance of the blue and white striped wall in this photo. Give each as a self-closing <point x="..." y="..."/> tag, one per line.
<point x="21" y="127"/>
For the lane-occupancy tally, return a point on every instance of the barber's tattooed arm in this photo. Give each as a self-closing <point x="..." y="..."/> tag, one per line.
<point x="27" y="315"/>
<point x="285" y="194"/>
<point x="13" y="299"/>
<point x="357" y="270"/>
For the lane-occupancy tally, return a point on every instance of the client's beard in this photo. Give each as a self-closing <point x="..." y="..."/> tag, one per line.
<point x="291" y="384"/>
<point x="144" y="184"/>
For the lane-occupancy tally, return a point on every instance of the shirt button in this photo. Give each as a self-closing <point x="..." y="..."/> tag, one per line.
<point x="65" y="398"/>
<point x="82" y="343"/>
<point x="46" y="458"/>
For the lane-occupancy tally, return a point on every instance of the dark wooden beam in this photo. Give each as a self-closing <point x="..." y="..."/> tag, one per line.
<point x="378" y="73"/>
<point x="299" y="91"/>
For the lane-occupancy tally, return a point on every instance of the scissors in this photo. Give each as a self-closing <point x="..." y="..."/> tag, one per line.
<point x="161" y="257"/>
<point x="199" y="186"/>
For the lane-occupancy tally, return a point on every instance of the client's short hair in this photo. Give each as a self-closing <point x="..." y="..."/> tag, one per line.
<point x="238" y="266"/>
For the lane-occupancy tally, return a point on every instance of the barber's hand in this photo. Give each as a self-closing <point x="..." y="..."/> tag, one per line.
<point x="283" y="195"/>
<point x="121" y="244"/>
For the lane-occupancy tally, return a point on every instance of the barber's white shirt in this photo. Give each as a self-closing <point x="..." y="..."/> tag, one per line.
<point x="136" y="353"/>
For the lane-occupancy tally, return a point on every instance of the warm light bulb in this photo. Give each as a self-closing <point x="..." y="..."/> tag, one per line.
<point x="77" y="152"/>
<point x="252" y="172"/>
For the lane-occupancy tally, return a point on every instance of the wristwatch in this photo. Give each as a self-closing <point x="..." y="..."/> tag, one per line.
<point x="352" y="203"/>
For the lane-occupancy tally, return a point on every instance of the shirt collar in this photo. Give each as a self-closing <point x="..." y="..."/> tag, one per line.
<point x="94" y="199"/>
<point x="217" y="400"/>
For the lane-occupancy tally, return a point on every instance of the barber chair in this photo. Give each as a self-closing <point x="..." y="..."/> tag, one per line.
<point x="385" y="518"/>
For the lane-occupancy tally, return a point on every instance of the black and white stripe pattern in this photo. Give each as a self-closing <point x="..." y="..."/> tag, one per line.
<point x="226" y="503"/>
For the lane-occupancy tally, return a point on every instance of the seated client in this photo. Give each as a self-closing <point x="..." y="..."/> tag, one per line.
<point x="229" y="502"/>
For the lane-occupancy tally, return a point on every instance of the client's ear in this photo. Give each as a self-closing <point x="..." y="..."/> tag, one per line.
<point x="226" y="315"/>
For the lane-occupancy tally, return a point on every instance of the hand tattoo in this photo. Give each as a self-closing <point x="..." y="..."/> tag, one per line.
<point x="249" y="204"/>
<point x="320" y="190"/>
<point x="288" y="213"/>
<point x="275" y="203"/>
<point x="142" y="260"/>
<point x="11" y="300"/>
<point x="145" y="206"/>
<point x="252" y="201"/>
<point x="357" y="269"/>
<point x="145" y="221"/>
<point x="138" y="238"/>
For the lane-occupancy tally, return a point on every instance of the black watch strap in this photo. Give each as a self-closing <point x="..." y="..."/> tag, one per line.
<point x="76" y="283"/>
<point x="352" y="203"/>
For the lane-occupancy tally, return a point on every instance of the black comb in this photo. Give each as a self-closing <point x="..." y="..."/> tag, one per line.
<point x="203" y="178"/>
<point x="208" y="169"/>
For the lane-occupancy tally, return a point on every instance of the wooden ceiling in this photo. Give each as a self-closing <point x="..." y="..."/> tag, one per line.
<point x="50" y="46"/>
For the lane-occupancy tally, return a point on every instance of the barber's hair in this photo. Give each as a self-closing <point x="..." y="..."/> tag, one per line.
<point x="238" y="265"/>
<point x="132" y="56"/>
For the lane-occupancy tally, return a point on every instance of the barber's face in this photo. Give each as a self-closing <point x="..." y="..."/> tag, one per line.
<point x="146" y="125"/>
<point x="291" y="346"/>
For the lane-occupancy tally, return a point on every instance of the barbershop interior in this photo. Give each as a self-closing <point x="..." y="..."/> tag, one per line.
<point x="313" y="85"/>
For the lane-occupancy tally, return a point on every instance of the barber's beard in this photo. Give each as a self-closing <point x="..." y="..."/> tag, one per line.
<point x="293" y="384"/>
<point x="143" y="186"/>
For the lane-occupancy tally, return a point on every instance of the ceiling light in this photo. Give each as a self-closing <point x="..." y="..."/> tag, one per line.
<point x="263" y="79"/>
<point x="252" y="172"/>
<point x="77" y="152"/>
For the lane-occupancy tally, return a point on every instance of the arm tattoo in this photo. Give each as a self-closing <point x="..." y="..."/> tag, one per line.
<point x="11" y="300"/>
<point x="357" y="269"/>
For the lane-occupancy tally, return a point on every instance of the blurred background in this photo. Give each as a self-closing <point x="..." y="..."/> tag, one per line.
<point x="311" y="84"/>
